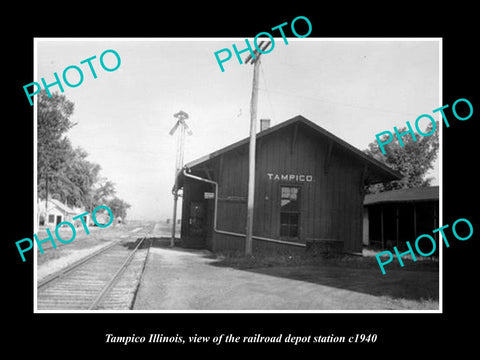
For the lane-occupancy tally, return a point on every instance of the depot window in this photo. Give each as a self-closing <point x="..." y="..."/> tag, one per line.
<point x="289" y="212"/>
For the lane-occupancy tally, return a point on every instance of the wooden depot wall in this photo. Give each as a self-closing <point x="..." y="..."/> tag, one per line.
<point x="331" y="203"/>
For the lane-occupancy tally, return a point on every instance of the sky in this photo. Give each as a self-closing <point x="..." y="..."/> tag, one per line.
<point x="354" y="88"/>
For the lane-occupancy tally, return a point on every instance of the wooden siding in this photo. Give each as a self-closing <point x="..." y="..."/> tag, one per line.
<point x="232" y="191"/>
<point x="331" y="204"/>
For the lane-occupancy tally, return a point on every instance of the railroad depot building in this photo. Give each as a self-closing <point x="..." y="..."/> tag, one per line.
<point x="309" y="192"/>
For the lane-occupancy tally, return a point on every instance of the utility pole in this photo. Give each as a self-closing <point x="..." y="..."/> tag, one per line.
<point x="181" y="116"/>
<point x="255" y="60"/>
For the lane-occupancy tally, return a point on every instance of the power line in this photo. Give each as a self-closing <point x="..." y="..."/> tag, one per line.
<point x="268" y="94"/>
<point x="339" y="103"/>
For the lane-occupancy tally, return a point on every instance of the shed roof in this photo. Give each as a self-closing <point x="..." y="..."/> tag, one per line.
<point x="429" y="193"/>
<point x="61" y="205"/>
<point x="377" y="171"/>
<point x="56" y="203"/>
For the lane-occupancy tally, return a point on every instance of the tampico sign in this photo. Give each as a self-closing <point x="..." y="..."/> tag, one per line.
<point x="290" y="177"/>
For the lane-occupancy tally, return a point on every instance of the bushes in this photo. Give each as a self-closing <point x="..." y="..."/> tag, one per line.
<point x="280" y="258"/>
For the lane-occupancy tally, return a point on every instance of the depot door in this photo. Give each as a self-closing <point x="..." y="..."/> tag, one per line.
<point x="196" y="224"/>
<point x="59" y="219"/>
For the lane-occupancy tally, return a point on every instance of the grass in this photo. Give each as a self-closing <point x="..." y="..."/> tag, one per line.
<point x="407" y="304"/>
<point x="413" y="287"/>
<point x="82" y="240"/>
<point x="240" y="261"/>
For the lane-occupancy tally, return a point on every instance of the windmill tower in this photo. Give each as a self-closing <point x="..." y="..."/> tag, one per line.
<point x="181" y="116"/>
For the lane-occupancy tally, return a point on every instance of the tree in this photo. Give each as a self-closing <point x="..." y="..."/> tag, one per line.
<point x="76" y="182"/>
<point x="53" y="121"/>
<point x="118" y="207"/>
<point x="64" y="172"/>
<point x="103" y="191"/>
<point x="413" y="160"/>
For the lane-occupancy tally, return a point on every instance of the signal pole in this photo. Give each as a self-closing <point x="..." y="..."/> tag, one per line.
<point x="181" y="116"/>
<point x="252" y="147"/>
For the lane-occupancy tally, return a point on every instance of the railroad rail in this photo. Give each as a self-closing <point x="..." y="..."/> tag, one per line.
<point x="107" y="279"/>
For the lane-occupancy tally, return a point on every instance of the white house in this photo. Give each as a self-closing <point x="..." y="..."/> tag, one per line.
<point x="56" y="212"/>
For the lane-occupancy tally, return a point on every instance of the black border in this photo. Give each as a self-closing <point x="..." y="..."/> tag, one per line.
<point x="60" y="335"/>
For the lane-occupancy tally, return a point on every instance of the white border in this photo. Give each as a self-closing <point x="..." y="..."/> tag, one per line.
<point x="35" y="177"/>
<point x="440" y="158"/>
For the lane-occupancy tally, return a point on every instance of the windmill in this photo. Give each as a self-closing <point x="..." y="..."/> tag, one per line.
<point x="181" y="116"/>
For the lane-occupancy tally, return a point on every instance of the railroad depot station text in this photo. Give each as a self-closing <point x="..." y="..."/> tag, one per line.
<point x="50" y="238"/>
<point x="232" y="339"/>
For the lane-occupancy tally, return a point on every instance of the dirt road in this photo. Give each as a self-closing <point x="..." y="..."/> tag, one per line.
<point x="178" y="279"/>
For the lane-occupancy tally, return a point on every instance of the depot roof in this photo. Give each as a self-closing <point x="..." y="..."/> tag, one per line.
<point x="377" y="171"/>
<point x="428" y="193"/>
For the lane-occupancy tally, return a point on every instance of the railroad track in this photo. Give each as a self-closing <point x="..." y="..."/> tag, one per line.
<point x="58" y="244"/>
<point x="104" y="280"/>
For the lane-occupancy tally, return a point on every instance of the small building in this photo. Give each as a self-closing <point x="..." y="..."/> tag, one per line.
<point x="391" y="218"/>
<point x="309" y="191"/>
<point x="55" y="213"/>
